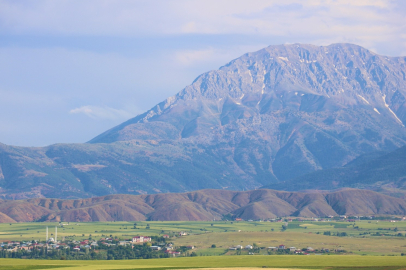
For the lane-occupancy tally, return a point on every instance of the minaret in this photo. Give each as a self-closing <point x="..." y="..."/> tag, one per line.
<point x="56" y="233"/>
<point x="46" y="239"/>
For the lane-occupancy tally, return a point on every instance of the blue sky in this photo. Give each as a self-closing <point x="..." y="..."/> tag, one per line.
<point x="71" y="69"/>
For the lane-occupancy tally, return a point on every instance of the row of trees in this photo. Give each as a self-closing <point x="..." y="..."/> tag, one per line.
<point x="102" y="252"/>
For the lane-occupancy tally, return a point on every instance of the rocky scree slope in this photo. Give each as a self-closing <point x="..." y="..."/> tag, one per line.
<point x="203" y="205"/>
<point x="266" y="117"/>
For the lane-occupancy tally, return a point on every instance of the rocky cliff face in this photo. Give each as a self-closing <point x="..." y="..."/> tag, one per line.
<point x="291" y="108"/>
<point x="265" y="117"/>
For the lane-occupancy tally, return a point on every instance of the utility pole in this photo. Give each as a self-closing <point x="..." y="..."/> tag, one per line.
<point x="56" y="233"/>
<point x="46" y="239"/>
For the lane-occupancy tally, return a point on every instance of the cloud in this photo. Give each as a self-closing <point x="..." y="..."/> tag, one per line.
<point x="365" y="22"/>
<point x="189" y="57"/>
<point x="76" y="17"/>
<point x="210" y="55"/>
<point x="102" y="113"/>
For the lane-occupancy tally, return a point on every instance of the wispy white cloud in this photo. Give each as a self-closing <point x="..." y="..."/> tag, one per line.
<point x="190" y="57"/>
<point x="104" y="113"/>
<point x="221" y="55"/>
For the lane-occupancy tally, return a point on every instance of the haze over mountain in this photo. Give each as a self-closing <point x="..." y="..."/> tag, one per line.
<point x="266" y="117"/>
<point x="203" y="205"/>
<point x="379" y="171"/>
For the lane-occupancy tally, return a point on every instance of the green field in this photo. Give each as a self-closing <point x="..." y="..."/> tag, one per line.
<point x="304" y="262"/>
<point x="362" y="237"/>
<point x="30" y="231"/>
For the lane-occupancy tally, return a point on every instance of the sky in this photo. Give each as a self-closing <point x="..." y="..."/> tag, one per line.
<point x="72" y="69"/>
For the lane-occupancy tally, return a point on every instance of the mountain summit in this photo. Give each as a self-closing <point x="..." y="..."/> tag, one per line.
<point x="294" y="77"/>
<point x="265" y="117"/>
<point x="293" y="108"/>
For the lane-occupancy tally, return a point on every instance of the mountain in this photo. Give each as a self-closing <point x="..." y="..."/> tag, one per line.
<point x="383" y="172"/>
<point x="203" y="205"/>
<point x="263" y="118"/>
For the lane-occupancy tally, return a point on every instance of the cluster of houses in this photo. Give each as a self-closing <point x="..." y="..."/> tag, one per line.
<point x="304" y="251"/>
<point x="15" y="246"/>
<point x="11" y="246"/>
<point x="327" y="219"/>
<point x="85" y="244"/>
<point x="51" y="243"/>
<point x="167" y="248"/>
<point x="77" y="245"/>
<point x="282" y="219"/>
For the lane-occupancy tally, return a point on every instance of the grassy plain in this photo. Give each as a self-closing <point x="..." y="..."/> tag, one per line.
<point x="363" y="237"/>
<point x="241" y="262"/>
<point x="34" y="230"/>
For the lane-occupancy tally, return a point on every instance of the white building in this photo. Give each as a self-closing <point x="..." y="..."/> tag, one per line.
<point x="141" y="239"/>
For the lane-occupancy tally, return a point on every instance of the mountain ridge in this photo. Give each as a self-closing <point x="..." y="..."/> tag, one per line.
<point x="203" y="205"/>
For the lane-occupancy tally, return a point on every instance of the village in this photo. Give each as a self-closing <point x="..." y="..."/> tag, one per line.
<point x="162" y="240"/>
<point x="136" y="247"/>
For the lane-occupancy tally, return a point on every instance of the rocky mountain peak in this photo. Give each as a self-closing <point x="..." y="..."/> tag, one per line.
<point x="338" y="70"/>
<point x="263" y="118"/>
<point x="295" y="77"/>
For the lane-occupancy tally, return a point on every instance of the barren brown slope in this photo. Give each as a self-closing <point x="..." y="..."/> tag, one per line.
<point x="23" y="211"/>
<point x="308" y="204"/>
<point x="6" y="219"/>
<point x="203" y="205"/>
<point x="355" y="201"/>
<point x="200" y="205"/>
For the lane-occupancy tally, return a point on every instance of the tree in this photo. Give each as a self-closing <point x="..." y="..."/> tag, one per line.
<point x="213" y="246"/>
